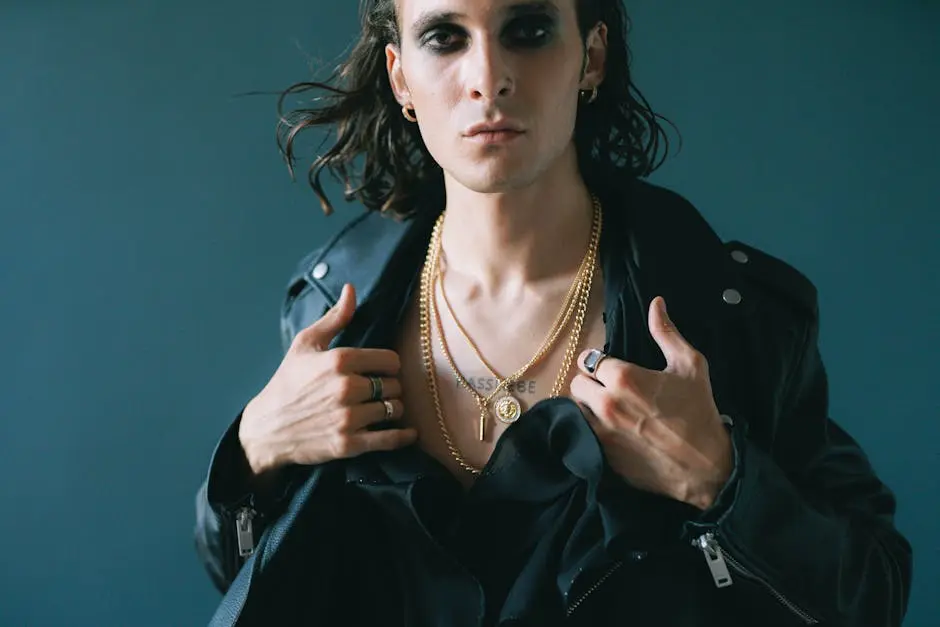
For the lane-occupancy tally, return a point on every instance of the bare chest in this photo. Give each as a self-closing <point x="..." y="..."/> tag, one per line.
<point x="449" y="426"/>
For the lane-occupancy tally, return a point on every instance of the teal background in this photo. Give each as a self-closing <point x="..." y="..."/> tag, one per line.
<point x="147" y="227"/>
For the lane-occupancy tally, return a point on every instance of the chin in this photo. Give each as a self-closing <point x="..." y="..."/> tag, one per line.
<point x="496" y="176"/>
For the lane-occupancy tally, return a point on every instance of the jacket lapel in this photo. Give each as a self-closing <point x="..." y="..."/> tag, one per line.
<point x="672" y="252"/>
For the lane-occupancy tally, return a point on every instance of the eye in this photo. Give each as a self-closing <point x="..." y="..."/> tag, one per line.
<point x="441" y="39"/>
<point x="531" y="31"/>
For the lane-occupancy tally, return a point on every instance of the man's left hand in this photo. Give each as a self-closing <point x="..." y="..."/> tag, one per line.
<point x="660" y="430"/>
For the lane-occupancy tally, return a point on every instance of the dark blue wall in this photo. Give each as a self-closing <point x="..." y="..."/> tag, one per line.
<point x="147" y="227"/>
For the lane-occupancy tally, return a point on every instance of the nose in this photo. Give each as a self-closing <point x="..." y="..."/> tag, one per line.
<point x="489" y="73"/>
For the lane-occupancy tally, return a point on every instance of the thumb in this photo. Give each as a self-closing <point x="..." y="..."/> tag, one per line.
<point x="664" y="331"/>
<point x="322" y="332"/>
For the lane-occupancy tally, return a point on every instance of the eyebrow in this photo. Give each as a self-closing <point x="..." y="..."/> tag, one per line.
<point x="430" y="19"/>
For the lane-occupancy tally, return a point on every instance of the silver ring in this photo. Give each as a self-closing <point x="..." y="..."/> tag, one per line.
<point x="376" y="388"/>
<point x="593" y="360"/>
<point x="389" y="409"/>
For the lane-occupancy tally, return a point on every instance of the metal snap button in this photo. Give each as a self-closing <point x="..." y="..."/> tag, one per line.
<point x="732" y="296"/>
<point x="320" y="270"/>
<point x="740" y="256"/>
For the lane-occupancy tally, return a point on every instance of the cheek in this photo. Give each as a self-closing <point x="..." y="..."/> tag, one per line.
<point x="432" y="91"/>
<point x="551" y="88"/>
<point x="436" y="93"/>
<point x="432" y="82"/>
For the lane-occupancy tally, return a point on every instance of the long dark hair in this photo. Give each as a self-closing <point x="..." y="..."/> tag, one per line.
<point x="616" y="135"/>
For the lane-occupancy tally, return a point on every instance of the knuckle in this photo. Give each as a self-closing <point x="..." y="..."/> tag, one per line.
<point x="303" y="338"/>
<point x="345" y="357"/>
<point x="346" y="420"/>
<point x="623" y="375"/>
<point x="606" y="405"/>
<point x="337" y="359"/>
<point x="697" y="361"/>
<point x="345" y="388"/>
<point x="341" y="446"/>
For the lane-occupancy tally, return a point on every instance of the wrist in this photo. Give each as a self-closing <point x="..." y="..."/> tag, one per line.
<point x="258" y="462"/>
<point x="706" y="494"/>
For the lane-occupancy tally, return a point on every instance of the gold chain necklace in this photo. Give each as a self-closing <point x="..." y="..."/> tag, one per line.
<point x="508" y="408"/>
<point x="561" y="321"/>
<point x="581" y="296"/>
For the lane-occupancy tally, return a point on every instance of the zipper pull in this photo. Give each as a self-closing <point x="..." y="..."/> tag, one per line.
<point x="244" y="530"/>
<point x="715" y="560"/>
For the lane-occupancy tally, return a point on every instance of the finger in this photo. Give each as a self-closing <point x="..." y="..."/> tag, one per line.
<point x="588" y="392"/>
<point x="327" y="327"/>
<point x="360" y="389"/>
<point x="365" y="415"/>
<point x="610" y="412"/>
<point x="600" y="408"/>
<point x="366" y="361"/>
<point x="674" y="347"/>
<point x="595" y="363"/>
<point x="611" y="372"/>
<point x="385" y="440"/>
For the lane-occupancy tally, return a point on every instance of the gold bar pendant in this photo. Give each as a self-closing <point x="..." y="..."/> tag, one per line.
<point x="482" y="423"/>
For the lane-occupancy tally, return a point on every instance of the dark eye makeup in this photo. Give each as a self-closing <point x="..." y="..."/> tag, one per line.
<point x="524" y="32"/>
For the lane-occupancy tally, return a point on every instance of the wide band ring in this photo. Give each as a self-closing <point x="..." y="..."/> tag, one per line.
<point x="376" y="388"/>
<point x="593" y="361"/>
<point x="389" y="409"/>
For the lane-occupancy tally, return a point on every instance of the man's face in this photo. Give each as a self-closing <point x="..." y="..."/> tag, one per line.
<point x="510" y="63"/>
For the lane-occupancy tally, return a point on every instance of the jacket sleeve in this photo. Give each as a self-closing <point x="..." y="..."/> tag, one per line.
<point x="805" y="523"/>
<point x="227" y="490"/>
<point x="228" y="487"/>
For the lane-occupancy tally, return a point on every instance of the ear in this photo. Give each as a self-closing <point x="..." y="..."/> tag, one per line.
<point x="396" y="76"/>
<point x="595" y="57"/>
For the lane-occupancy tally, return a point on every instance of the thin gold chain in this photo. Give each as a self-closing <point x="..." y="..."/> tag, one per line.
<point x="428" y="309"/>
<point x="561" y="321"/>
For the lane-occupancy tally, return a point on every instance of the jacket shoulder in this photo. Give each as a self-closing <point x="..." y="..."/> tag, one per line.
<point x="355" y="254"/>
<point x="775" y="275"/>
<point x="349" y="256"/>
<point x="768" y="273"/>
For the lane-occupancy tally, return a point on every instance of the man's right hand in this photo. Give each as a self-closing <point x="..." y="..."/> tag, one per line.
<point x="317" y="407"/>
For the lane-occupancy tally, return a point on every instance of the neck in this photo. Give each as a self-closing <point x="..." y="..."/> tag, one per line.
<point x="502" y="243"/>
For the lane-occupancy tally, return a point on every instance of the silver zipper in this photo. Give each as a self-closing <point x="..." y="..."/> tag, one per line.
<point x="244" y="531"/>
<point x="718" y="561"/>
<point x="590" y="591"/>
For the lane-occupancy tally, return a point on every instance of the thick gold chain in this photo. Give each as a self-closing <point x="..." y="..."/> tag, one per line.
<point x="578" y="296"/>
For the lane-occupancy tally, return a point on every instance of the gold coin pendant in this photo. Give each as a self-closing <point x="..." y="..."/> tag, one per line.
<point x="508" y="409"/>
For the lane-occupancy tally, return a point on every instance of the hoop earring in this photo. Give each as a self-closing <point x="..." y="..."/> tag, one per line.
<point x="593" y="95"/>
<point x="408" y="115"/>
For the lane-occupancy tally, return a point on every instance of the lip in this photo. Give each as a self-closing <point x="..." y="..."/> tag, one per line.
<point x="505" y="128"/>
<point x="495" y="137"/>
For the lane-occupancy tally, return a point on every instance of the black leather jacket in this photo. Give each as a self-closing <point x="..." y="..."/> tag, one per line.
<point x="802" y="534"/>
